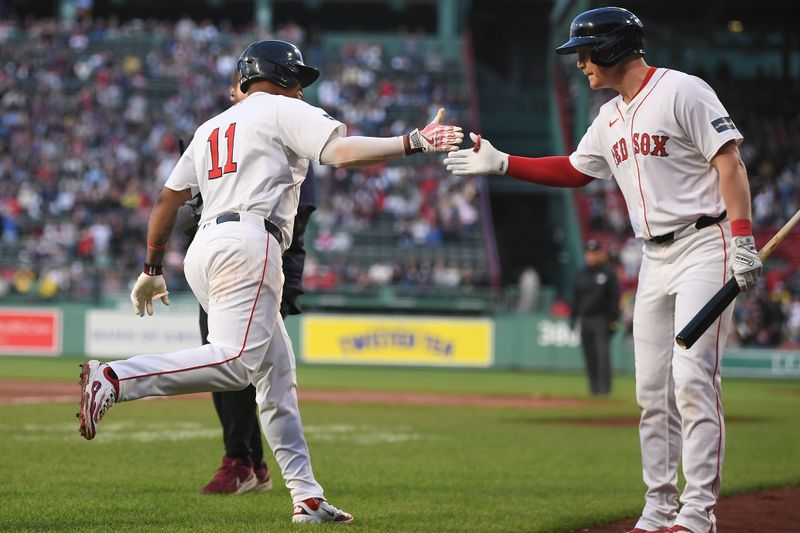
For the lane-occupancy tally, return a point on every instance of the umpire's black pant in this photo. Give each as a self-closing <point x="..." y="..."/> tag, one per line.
<point x="237" y="412"/>
<point x="595" y="341"/>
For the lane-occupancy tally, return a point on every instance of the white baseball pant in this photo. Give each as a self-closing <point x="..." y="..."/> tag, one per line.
<point x="679" y="390"/>
<point x="235" y="271"/>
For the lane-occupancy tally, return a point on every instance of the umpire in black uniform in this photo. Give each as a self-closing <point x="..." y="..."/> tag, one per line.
<point x="596" y="305"/>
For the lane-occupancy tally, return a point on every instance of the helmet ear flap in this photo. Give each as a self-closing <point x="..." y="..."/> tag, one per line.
<point x="246" y="68"/>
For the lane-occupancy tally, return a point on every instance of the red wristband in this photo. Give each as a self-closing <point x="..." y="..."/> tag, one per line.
<point x="741" y="227"/>
<point x="156" y="246"/>
<point x="153" y="270"/>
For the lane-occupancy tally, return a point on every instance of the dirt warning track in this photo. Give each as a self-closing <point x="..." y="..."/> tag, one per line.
<point x="39" y="392"/>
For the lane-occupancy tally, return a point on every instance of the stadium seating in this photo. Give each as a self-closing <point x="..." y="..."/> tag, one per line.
<point x="91" y="116"/>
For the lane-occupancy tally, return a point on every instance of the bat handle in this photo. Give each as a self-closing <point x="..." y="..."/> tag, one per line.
<point x="708" y="314"/>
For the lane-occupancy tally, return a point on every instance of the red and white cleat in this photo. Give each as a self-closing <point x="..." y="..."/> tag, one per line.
<point x="233" y="477"/>
<point x="315" y="510"/>
<point x="264" y="482"/>
<point x="99" y="391"/>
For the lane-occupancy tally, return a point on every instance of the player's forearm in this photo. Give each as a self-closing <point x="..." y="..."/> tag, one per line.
<point x="359" y="151"/>
<point x="733" y="183"/>
<point x="162" y="220"/>
<point x="549" y="171"/>
<point x="735" y="190"/>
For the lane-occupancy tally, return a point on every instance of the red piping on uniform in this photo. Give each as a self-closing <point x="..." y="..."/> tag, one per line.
<point x="246" y="331"/>
<point x="620" y="112"/>
<point x="633" y="149"/>
<point x="650" y="72"/>
<point x="716" y="370"/>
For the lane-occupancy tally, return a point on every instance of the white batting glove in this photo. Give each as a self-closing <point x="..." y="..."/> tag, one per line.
<point x="436" y="137"/>
<point x="146" y="289"/>
<point x="745" y="265"/>
<point x="483" y="158"/>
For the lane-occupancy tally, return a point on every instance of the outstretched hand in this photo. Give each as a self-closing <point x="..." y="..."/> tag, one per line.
<point x="482" y="158"/>
<point x="436" y="137"/>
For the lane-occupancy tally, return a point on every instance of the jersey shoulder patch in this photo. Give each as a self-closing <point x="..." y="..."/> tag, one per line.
<point x="723" y="124"/>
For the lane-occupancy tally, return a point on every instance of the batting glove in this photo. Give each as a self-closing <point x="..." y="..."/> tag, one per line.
<point x="745" y="265"/>
<point x="483" y="158"/>
<point x="146" y="289"/>
<point x="436" y="137"/>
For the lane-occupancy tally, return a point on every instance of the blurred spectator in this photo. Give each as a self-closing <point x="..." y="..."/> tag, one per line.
<point x="529" y="284"/>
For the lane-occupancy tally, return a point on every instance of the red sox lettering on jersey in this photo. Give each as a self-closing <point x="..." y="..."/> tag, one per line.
<point x="643" y="143"/>
<point x="658" y="147"/>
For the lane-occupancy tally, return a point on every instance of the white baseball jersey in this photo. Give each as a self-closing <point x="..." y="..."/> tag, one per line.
<point x="254" y="156"/>
<point x="658" y="148"/>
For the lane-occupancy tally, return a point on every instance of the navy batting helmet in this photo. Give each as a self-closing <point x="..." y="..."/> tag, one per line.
<point x="614" y="34"/>
<point x="278" y="62"/>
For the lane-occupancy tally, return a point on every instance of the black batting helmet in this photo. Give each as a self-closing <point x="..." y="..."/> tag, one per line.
<point x="614" y="34"/>
<point x="278" y="62"/>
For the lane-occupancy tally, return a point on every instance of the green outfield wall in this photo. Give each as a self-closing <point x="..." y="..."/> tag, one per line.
<point x="505" y="341"/>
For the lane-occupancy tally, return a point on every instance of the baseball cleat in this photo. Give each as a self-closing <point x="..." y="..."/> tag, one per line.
<point x="638" y="530"/>
<point x="316" y="510"/>
<point x="264" y="482"/>
<point x="676" y="528"/>
<point x="99" y="391"/>
<point x="233" y="477"/>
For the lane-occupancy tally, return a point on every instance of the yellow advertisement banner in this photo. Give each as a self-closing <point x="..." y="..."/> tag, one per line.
<point x="397" y="340"/>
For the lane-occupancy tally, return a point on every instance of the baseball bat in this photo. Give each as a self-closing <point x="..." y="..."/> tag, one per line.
<point x="717" y="304"/>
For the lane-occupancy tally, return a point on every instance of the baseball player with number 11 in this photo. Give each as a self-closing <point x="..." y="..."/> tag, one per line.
<point x="673" y="150"/>
<point x="248" y="163"/>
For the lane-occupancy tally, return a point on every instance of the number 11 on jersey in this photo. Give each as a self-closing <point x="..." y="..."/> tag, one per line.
<point x="217" y="171"/>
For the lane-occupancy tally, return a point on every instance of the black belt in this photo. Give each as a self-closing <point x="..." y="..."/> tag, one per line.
<point x="269" y="226"/>
<point x="702" y="222"/>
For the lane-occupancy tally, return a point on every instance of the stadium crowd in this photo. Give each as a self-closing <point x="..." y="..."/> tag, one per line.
<point x="91" y="115"/>
<point x="425" y="206"/>
<point x="90" y="120"/>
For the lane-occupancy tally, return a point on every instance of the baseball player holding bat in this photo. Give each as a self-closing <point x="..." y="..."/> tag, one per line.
<point x="248" y="163"/>
<point x="673" y="150"/>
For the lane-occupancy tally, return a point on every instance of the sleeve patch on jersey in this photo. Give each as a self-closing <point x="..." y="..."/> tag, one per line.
<point x="722" y="124"/>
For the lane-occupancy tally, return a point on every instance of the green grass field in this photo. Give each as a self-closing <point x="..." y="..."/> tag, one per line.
<point x="395" y="467"/>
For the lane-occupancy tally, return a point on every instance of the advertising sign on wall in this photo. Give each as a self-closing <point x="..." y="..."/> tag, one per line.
<point x="33" y="331"/>
<point x="111" y="333"/>
<point x="465" y="342"/>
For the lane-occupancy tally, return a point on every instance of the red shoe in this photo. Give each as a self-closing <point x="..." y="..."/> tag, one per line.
<point x="677" y="528"/>
<point x="263" y="481"/>
<point x="637" y="530"/>
<point x="233" y="477"/>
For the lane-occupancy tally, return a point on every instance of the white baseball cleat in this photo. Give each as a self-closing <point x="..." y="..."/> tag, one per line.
<point x="316" y="510"/>
<point x="99" y="391"/>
